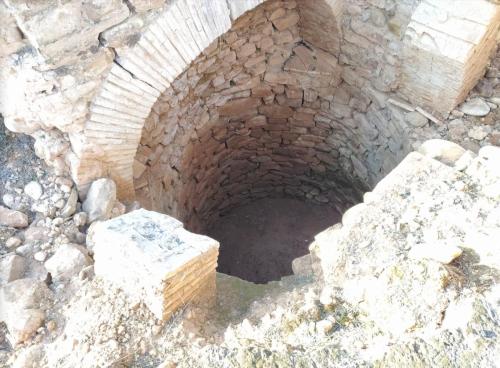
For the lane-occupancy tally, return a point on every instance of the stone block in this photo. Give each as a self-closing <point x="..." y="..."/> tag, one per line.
<point x="59" y="30"/>
<point x="446" y="50"/>
<point x="150" y="256"/>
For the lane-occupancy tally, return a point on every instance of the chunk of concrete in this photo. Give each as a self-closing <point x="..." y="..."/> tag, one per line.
<point x="152" y="257"/>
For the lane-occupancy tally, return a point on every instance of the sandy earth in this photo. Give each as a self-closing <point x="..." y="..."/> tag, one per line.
<point x="260" y="240"/>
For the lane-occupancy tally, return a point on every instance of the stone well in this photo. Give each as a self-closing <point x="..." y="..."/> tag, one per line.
<point x="197" y="107"/>
<point x="263" y="112"/>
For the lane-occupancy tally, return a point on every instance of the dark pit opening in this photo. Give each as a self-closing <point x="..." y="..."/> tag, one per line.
<point x="259" y="240"/>
<point x="261" y="143"/>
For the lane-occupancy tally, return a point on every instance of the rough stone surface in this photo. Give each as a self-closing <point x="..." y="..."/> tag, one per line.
<point x="453" y="43"/>
<point x="100" y="200"/>
<point x="171" y="266"/>
<point x="430" y="235"/>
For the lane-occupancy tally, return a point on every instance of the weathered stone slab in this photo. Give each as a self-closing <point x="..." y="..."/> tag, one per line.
<point x="152" y="257"/>
<point x="447" y="46"/>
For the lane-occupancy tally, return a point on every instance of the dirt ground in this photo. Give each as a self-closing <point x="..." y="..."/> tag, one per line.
<point x="17" y="159"/>
<point x="260" y="240"/>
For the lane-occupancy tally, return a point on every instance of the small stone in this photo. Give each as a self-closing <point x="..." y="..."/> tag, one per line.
<point x="51" y="326"/>
<point x="13" y="242"/>
<point x="86" y="273"/>
<point x="40" y="256"/>
<point x="60" y="203"/>
<point x="118" y="209"/>
<point x="478" y="133"/>
<point x="416" y="119"/>
<point x="475" y="107"/>
<point x="155" y="330"/>
<point x="12" y="267"/>
<point x="22" y="303"/>
<point x="9" y="200"/>
<point x="12" y="218"/>
<point x="100" y="200"/>
<point x="67" y="261"/>
<point x="33" y="190"/>
<point x="441" y="150"/>
<point x="58" y="221"/>
<point x="36" y="233"/>
<point x="80" y="219"/>
<point x="70" y="205"/>
<point x="25" y="250"/>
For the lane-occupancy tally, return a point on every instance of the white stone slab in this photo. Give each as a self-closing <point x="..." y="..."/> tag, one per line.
<point x="140" y="250"/>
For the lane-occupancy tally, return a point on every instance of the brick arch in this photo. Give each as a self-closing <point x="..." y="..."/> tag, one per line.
<point x="117" y="114"/>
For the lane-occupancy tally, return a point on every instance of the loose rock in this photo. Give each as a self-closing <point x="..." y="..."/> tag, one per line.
<point x="478" y="133"/>
<point x="12" y="267"/>
<point x="13" y="242"/>
<point x="67" y="262"/>
<point x="12" y="218"/>
<point x="444" y="151"/>
<point x="475" y="107"/>
<point x="70" y="206"/>
<point x="34" y="190"/>
<point x="100" y="200"/>
<point x="416" y="119"/>
<point x="22" y="304"/>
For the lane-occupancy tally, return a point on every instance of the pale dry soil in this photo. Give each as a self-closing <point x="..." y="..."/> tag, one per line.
<point x="259" y="240"/>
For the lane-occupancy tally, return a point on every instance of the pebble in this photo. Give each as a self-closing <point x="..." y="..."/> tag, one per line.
<point x="8" y="199"/>
<point x="33" y="190"/>
<point x="80" y="219"/>
<point x="13" y="242"/>
<point x="51" y="326"/>
<point x="40" y="256"/>
<point x="13" y="218"/>
<point x="25" y="249"/>
<point x="416" y="119"/>
<point x="478" y="133"/>
<point x="475" y="107"/>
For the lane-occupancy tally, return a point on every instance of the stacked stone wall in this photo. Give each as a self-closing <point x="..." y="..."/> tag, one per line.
<point x="85" y="90"/>
<point x="261" y="113"/>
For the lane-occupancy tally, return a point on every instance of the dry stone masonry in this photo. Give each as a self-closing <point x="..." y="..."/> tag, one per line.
<point x="249" y="119"/>
<point x="92" y="103"/>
